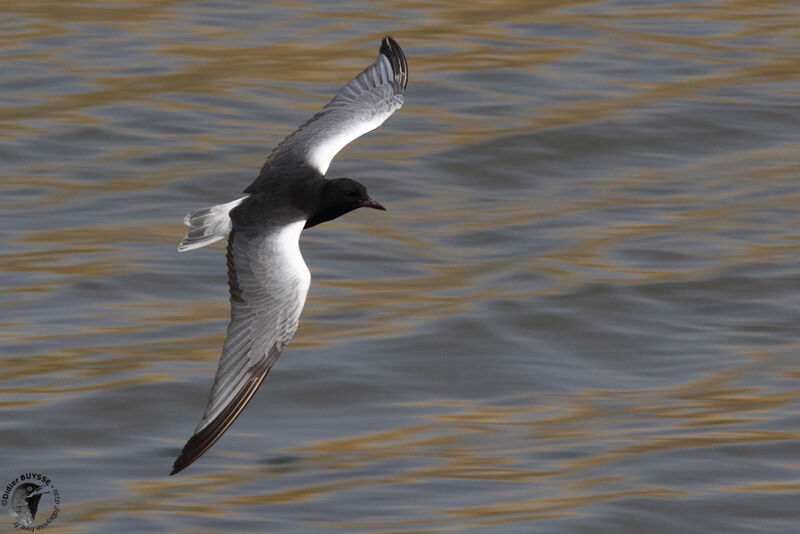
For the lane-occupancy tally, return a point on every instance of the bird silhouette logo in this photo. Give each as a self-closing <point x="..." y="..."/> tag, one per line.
<point x="25" y="502"/>
<point x="24" y="495"/>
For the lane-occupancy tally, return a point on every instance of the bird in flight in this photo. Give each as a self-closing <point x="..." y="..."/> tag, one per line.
<point x="267" y="277"/>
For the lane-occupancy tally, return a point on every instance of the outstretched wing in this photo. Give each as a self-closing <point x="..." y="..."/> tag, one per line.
<point x="359" y="107"/>
<point x="268" y="282"/>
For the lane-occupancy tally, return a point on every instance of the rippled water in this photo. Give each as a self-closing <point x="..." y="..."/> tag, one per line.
<point x="579" y="313"/>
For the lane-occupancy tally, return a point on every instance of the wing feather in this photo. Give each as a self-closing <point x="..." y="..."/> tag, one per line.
<point x="268" y="282"/>
<point x="359" y="107"/>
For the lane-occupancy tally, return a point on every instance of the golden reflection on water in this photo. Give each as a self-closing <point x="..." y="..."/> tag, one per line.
<point x="468" y="441"/>
<point x="282" y="63"/>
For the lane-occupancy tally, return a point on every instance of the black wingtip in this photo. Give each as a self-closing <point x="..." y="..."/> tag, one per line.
<point x="198" y="444"/>
<point x="202" y="440"/>
<point x="397" y="58"/>
<point x="186" y="458"/>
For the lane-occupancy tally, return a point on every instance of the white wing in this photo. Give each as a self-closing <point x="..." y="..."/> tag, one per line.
<point x="359" y="107"/>
<point x="268" y="282"/>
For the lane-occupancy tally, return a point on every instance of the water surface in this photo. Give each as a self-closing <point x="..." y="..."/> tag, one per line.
<point x="579" y="313"/>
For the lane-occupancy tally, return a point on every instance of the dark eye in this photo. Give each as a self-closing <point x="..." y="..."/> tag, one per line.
<point x="349" y="194"/>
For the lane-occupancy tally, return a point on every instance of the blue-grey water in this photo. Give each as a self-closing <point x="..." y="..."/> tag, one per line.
<point x="580" y="313"/>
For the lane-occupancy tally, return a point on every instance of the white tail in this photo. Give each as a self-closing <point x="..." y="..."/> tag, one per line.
<point x="207" y="225"/>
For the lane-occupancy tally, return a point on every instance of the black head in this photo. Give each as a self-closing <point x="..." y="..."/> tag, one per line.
<point x="338" y="197"/>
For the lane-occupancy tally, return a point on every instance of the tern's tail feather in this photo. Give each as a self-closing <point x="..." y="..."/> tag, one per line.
<point x="207" y="225"/>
